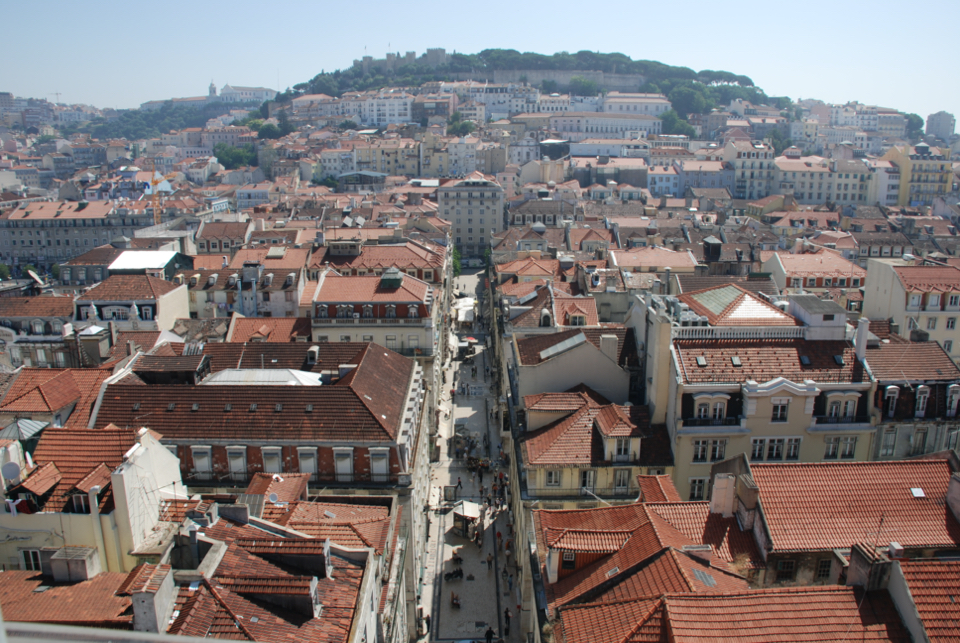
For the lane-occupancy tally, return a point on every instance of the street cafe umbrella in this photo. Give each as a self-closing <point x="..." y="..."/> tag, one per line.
<point x="471" y="339"/>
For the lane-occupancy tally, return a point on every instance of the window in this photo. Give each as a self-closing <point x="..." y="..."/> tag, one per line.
<point x="379" y="464"/>
<point x="622" y="448"/>
<point x="951" y="323"/>
<point x="344" y="338"/>
<point x="834" y="411"/>
<point x="266" y="296"/>
<point x="888" y="443"/>
<point x="779" y="411"/>
<point x="271" y="460"/>
<point x="621" y="479"/>
<point x="343" y="462"/>
<point x="367" y="311"/>
<point x="823" y="568"/>
<point x="553" y="478"/>
<point x="719" y="411"/>
<point x="793" y="449"/>
<point x="775" y="449"/>
<point x="569" y="560"/>
<point x="786" y="569"/>
<point x="757" y="449"/>
<point x="811" y="282"/>
<point x="703" y="411"/>
<point x="954" y="300"/>
<point x="923" y="394"/>
<point x="718" y="450"/>
<point x="931" y="323"/>
<point x="891" y="395"/>
<point x="915" y="301"/>
<point x="237" y="460"/>
<point x="918" y="442"/>
<point x="391" y="311"/>
<point x="392" y="342"/>
<point x="81" y="504"/>
<point x="700" y="448"/>
<point x="201" y="462"/>
<point x="368" y="338"/>
<point x="308" y="461"/>
<point x="588" y="479"/>
<point x="30" y="559"/>
<point x="698" y="488"/>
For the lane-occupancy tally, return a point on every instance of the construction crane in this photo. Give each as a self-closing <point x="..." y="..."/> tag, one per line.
<point x="155" y="194"/>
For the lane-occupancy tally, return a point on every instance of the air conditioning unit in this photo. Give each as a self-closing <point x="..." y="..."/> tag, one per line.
<point x="356" y="315"/>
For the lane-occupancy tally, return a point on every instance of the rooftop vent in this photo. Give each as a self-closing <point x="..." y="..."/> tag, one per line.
<point x="918" y="492"/>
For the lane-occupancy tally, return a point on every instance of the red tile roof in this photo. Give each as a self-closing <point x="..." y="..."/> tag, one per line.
<point x="288" y="487"/>
<point x="694" y="520"/>
<point x="366" y="405"/>
<point x="764" y="360"/>
<point x="929" y="278"/>
<point x="566" y="402"/>
<point x="293" y="259"/>
<point x="47" y="390"/>
<point x="91" y="603"/>
<point x="335" y="289"/>
<point x="819" y="506"/>
<point x="531" y="347"/>
<point x="224" y="230"/>
<point x="345" y="524"/>
<point x="128" y="288"/>
<point x="657" y="489"/>
<point x="823" y="263"/>
<point x="79" y="455"/>
<point x="44" y="306"/>
<point x="911" y="361"/>
<point x="733" y="305"/>
<point x="270" y="329"/>
<point x="380" y="257"/>
<point x="935" y="588"/>
<point x="821" y="614"/>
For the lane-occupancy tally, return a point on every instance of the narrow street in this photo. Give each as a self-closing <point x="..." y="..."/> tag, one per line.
<point x="484" y="591"/>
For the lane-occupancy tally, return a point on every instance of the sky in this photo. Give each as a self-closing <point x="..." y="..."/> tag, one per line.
<point x="113" y="54"/>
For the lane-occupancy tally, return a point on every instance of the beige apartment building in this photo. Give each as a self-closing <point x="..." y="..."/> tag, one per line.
<point x="925" y="173"/>
<point x="474" y="205"/>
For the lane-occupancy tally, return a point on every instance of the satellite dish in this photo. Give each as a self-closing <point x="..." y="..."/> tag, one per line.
<point x="34" y="276"/>
<point x="273" y="497"/>
<point x="10" y="470"/>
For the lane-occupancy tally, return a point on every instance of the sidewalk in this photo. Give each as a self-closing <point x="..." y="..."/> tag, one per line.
<point x="485" y="596"/>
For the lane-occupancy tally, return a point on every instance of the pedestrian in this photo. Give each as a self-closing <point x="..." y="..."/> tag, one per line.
<point x="489" y="634"/>
<point x="426" y="621"/>
<point x="506" y="620"/>
<point x="495" y="488"/>
<point x="481" y="488"/>
<point x="501" y="477"/>
<point x="458" y="453"/>
<point x="509" y="584"/>
<point x="489" y="500"/>
<point x="481" y="480"/>
<point x="459" y="483"/>
<point x="473" y="476"/>
<point x="489" y="562"/>
<point x="499" y="537"/>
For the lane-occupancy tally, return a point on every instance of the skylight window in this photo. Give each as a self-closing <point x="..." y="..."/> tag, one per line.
<point x="228" y="407"/>
<point x="196" y="407"/>
<point x="805" y="360"/>
<point x="838" y="359"/>
<point x="735" y="360"/>
<point x="705" y="578"/>
<point x="918" y="492"/>
<point x="253" y="407"/>
<point x="309" y="408"/>
<point x="278" y="408"/>
<point x="171" y="406"/>
<point x="701" y="361"/>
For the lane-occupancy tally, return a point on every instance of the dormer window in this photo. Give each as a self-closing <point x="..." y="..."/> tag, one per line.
<point x="923" y="395"/>
<point x="953" y="397"/>
<point x="367" y="311"/>
<point x="578" y="320"/>
<point x="344" y="311"/>
<point x="321" y="312"/>
<point x="412" y="312"/>
<point x="391" y="311"/>
<point x="933" y="301"/>
<point x="915" y="300"/>
<point x="891" y="395"/>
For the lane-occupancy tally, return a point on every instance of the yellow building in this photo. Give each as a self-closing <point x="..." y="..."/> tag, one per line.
<point x="780" y="386"/>
<point x="925" y="173"/>
<point x="398" y="157"/>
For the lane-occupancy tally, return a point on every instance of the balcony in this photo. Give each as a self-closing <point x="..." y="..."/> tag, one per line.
<point x="727" y="421"/>
<point x="630" y="491"/>
<point x="371" y="321"/>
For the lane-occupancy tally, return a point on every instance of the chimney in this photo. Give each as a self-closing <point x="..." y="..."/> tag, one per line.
<point x="152" y="597"/>
<point x="863" y="331"/>
<point x="74" y="564"/>
<point x="608" y="346"/>
<point x="702" y="552"/>
<point x="225" y="262"/>
<point x="797" y="246"/>
<point x="131" y="347"/>
<point x="663" y="200"/>
<point x="724" y="495"/>
<point x="868" y="568"/>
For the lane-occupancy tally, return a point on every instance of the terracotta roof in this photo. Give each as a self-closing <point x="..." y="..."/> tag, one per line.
<point x="207" y="262"/>
<point x="223" y="230"/>
<point x="929" y="278"/>
<point x="369" y="288"/>
<point x="365" y="405"/>
<point x="567" y="401"/>
<point x="91" y="603"/>
<point x="695" y="520"/>
<point x="732" y="305"/>
<point x="99" y="256"/>
<point x="128" y="288"/>
<point x="764" y="360"/>
<point x="347" y="525"/>
<point x="935" y="588"/>
<point x="531" y="347"/>
<point x="655" y="488"/>
<point x="403" y="256"/>
<point x="288" y="487"/>
<point x="78" y="453"/>
<point x="823" y="263"/>
<point x="822" y="614"/>
<point x="911" y="361"/>
<point x="270" y="329"/>
<point x="224" y="355"/>
<point x="43" y="306"/>
<point x="651" y="257"/>
<point x="819" y="506"/>
<point x="293" y="259"/>
<point x="47" y="390"/>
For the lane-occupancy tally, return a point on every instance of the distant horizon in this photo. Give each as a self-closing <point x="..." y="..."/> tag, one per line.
<point x="250" y="46"/>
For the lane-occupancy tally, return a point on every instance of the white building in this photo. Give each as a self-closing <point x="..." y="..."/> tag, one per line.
<point x="475" y="207"/>
<point x="231" y="94"/>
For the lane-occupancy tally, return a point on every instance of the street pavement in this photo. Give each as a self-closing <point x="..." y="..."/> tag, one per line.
<point x="484" y="592"/>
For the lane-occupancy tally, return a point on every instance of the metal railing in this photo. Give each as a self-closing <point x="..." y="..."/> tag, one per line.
<point x="727" y="421"/>
<point x="628" y="491"/>
<point x="370" y="321"/>
<point x="734" y="332"/>
<point x="841" y="419"/>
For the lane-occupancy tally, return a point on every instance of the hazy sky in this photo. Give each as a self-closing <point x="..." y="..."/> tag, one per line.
<point x="113" y="54"/>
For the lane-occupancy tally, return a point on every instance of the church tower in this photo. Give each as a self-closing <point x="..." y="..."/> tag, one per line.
<point x="212" y="94"/>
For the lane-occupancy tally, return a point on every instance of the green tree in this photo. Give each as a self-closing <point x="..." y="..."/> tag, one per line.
<point x="269" y="131"/>
<point x="329" y="182"/>
<point x="914" y="126"/>
<point x="25" y="270"/>
<point x="580" y="86"/>
<point x="457" y="269"/>
<point x="687" y="100"/>
<point x="55" y="270"/>
<point x="4" y="271"/>
<point x="779" y="141"/>
<point x="46" y="138"/>
<point x="549" y="87"/>
<point x="345" y="125"/>
<point x="286" y="126"/>
<point x="265" y="109"/>
<point x="671" y="123"/>
<point x="233" y="157"/>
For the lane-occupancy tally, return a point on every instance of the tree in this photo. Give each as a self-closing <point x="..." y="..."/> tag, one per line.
<point x="580" y="86"/>
<point x="456" y="262"/>
<point x="4" y="271"/>
<point x="671" y="123"/>
<point x="25" y="270"/>
<point x="687" y="100"/>
<point x="329" y="182"/>
<point x="265" y="109"/>
<point x="46" y="138"/>
<point x="345" y="125"/>
<point x="55" y="270"/>
<point x="779" y="141"/>
<point x="269" y="131"/>
<point x="286" y="126"/>
<point x="549" y="87"/>
<point x="233" y="157"/>
<point x="914" y="126"/>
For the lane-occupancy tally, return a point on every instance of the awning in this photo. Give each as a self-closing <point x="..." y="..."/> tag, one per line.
<point x="467" y="509"/>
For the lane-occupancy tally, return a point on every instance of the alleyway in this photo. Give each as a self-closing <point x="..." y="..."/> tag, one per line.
<point x="484" y="592"/>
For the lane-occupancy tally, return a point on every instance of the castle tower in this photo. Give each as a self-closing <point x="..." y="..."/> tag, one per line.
<point x="212" y="94"/>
